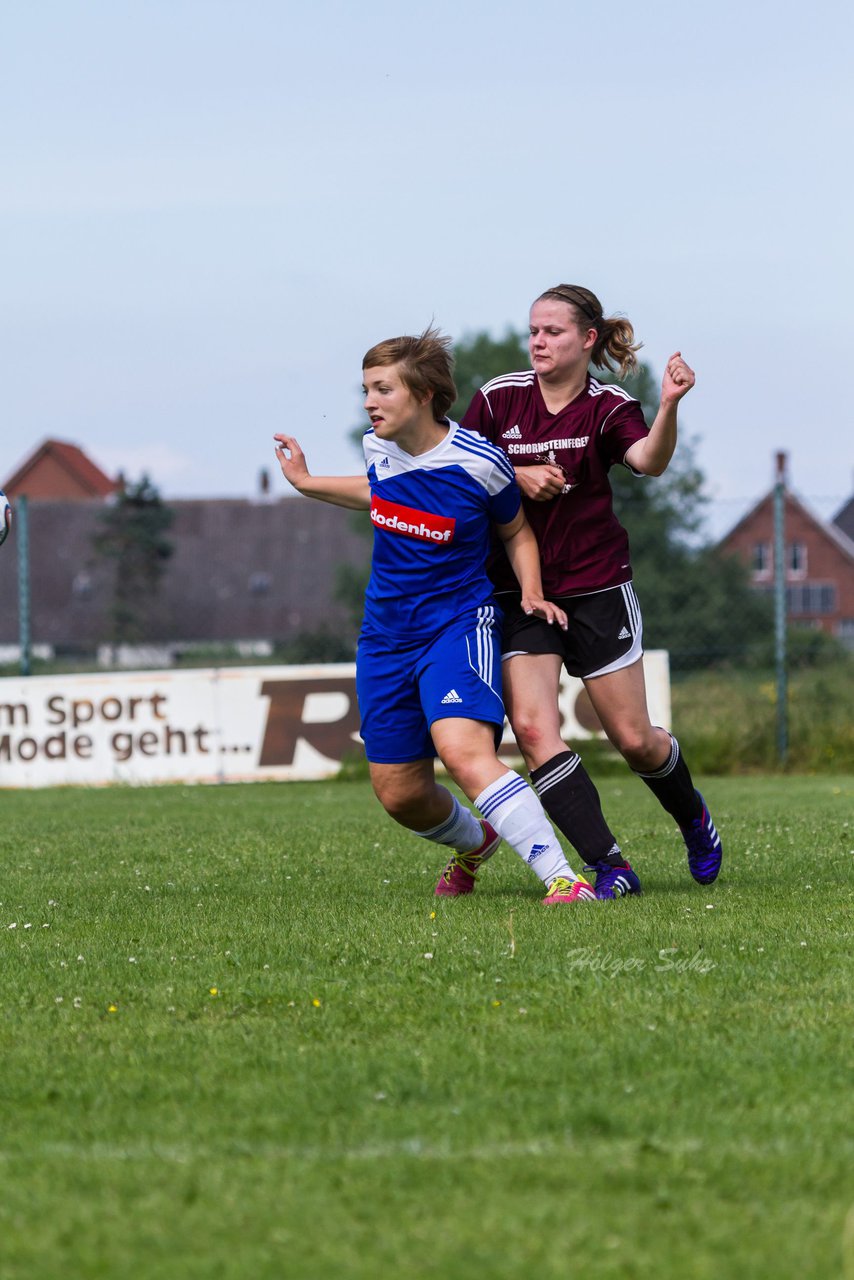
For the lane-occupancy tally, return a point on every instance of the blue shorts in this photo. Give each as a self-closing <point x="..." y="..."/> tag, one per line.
<point x="402" y="688"/>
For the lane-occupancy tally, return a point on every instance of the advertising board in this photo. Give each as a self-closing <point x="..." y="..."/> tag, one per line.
<point x="227" y="724"/>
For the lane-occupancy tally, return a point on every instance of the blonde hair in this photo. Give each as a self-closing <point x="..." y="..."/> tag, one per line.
<point x="615" y="337"/>
<point x="426" y="366"/>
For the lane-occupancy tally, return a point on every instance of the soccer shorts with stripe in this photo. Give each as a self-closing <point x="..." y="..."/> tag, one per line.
<point x="605" y="631"/>
<point x="403" y="687"/>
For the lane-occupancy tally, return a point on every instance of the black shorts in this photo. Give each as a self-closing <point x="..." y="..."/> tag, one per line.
<point x="605" y="631"/>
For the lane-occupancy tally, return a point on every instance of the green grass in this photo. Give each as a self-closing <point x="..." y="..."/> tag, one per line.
<point x="236" y="1041"/>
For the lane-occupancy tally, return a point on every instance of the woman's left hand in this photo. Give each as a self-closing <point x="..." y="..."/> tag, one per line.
<point x="545" y="609"/>
<point x="678" y="379"/>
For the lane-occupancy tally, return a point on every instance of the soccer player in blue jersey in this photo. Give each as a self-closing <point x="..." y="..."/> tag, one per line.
<point x="428" y="666"/>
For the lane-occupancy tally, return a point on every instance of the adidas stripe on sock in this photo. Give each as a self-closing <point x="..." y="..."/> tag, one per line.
<point x="570" y="798"/>
<point x="673" y="788"/>
<point x="512" y="808"/>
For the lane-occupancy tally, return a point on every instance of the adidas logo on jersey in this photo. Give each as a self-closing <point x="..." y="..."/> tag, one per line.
<point x="624" y="634"/>
<point x="451" y="696"/>
<point x="513" y="434"/>
<point x="384" y="464"/>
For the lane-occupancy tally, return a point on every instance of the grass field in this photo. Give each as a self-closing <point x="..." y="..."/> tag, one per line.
<point x="240" y="1038"/>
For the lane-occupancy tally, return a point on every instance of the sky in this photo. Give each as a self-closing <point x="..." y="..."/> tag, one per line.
<point x="210" y="210"/>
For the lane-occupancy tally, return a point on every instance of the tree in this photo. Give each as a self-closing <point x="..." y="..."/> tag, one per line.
<point x="478" y="358"/>
<point x="132" y="537"/>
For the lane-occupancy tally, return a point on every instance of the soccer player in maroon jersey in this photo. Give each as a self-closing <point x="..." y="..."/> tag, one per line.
<point x="563" y="430"/>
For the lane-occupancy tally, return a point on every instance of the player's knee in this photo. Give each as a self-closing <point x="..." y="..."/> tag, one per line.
<point x="528" y="732"/>
<point x="399" y="808"/>
<point x="635" y="746"/>
<point x="465" y="766"/>
<point x="453" y="753"/>
<point x="392" y="799"/>
<point x="404" y="805"/>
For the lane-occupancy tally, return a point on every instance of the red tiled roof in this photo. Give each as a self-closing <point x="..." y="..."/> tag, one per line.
<point x="72" y="459"/>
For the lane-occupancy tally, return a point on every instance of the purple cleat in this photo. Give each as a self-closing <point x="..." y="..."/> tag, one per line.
<point x="704" y="846"/>
<point x="614" y="882"/>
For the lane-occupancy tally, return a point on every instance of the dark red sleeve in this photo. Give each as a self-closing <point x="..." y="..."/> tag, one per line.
<point x="478" y="417"/>
<point x="620" y="430"/>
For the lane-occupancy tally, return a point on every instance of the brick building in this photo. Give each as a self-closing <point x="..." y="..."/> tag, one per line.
<point x="59" y="471"/>
<point x="819" y="561"/>
<point x="242" y="572"/>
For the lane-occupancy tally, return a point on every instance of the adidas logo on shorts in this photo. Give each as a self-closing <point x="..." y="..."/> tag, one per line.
<point x="624" y="634"/>
<point x="451" y="696"/>
<point x="513" y="434"/>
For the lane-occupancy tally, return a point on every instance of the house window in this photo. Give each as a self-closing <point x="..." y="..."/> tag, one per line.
<point x="796" y="559"/>
<point x="817" y="598"/>
<point x="761" y="559"/>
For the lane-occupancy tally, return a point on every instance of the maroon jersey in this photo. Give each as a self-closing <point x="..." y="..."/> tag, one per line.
<point x="583" y="546"/>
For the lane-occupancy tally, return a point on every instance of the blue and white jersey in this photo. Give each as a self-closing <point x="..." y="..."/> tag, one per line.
<point x="432" y="517"/>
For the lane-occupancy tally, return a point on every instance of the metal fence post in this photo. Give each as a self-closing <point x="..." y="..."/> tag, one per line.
<point x="23" y="536"/>
<point x="780" y="609"/>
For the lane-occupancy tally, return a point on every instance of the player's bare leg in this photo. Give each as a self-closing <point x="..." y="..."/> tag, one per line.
<point x="531" y="685"/>
<point x="410" y="794"/>
<point x="619" y="700"/>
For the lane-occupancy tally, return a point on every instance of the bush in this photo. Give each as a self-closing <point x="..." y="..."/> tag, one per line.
<point x="728" y="722"/>
<point x="309" y="647"/>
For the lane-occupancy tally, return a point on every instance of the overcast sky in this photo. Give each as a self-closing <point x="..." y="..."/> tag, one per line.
<point x="211" y="209"/>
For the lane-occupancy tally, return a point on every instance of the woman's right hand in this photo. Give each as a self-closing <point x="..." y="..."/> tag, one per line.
<point x="541" y="482"/>
<point x="294" y="467"/>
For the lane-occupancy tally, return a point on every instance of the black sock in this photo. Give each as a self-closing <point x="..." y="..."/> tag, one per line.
<point x="673" y="788"/>
<point x="569" y="797"/>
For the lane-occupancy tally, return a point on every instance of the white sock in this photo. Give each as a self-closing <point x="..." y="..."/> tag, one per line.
<point x="461" y="830"/>
<point x="513" y="808"/>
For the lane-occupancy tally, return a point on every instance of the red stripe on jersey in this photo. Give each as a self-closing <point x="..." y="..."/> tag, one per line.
<point x="425" y="525"/>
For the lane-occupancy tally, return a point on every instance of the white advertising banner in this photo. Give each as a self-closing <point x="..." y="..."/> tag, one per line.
<point x="232" y="724"/>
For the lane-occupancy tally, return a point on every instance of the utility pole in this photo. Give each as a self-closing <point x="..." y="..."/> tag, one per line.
<point x="22" y="528"/>
<point x="780" y="657"/>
